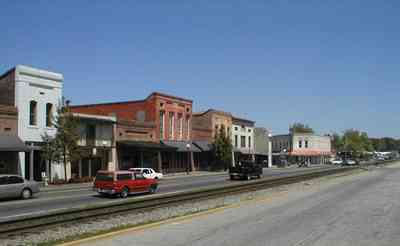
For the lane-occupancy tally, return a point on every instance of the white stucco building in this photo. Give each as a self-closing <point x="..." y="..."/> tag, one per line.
<point x="37" y="94"/>
<point x="243" y="139"/>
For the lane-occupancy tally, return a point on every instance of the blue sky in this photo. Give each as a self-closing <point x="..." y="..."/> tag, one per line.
<point x="331" y="64"/>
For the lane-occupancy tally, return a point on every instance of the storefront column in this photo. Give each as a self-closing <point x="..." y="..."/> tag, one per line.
<point x="31" y="155"/>
<point x="141" y="159"/>
<point x="80" y="168"/>
<point x="192" y="161"/>
<point x="159" y="161"/>
<point x="90" y="167"/>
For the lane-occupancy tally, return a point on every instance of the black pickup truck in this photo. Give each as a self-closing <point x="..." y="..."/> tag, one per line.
<point x="245" y="170"/>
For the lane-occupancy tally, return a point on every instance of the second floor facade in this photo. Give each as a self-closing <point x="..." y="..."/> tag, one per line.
<point x="37" y="94"/>
<point x="207" y="124"/>
<point x="298" y="143"/>
<point x="243" y="135"/>
<point x="156" y="118"/>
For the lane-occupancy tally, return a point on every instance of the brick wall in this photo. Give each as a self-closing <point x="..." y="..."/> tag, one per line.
<point x="8" y="120"/>
<point x="7" y="88"/>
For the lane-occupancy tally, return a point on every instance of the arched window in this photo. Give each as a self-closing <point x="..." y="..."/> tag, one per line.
<point x="49" y="114"/>
<point x="33" y="113"/>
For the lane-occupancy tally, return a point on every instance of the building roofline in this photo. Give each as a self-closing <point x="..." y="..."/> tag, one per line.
<point x="242" y="119"/>
<point x="40" y="73"/>
<point x="211" y="110"/>
<point x="130" y="101"/>
<point x="8" y="72"/>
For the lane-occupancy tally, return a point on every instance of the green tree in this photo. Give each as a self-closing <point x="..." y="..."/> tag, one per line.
<point x="222" y="149"/>
<point x="337" y="142"/>
<point x="63" y="148"/>
<point x="300" y="128"/>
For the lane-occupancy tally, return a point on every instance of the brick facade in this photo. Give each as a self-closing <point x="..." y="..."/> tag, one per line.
<point x="7" y="88"/>
<point x="8" y="120"/>
<point x="206" y="124"/>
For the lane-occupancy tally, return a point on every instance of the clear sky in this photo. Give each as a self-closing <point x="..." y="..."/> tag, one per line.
<point x="331" y="64"/>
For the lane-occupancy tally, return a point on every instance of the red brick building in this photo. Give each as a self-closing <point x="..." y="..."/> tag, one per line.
<point x="10" y="144"/>
<point x="155" y="132"/>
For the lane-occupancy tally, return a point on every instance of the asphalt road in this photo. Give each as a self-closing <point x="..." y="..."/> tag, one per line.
<point x="357" y="210"/>
<point x="60" y="199"/>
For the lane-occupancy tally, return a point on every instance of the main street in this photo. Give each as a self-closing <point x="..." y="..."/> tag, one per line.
<point x="55" y="199"/>
<point x="363" y="209"/>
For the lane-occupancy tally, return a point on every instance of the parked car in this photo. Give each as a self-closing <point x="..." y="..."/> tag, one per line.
<point x="349" y="162"/>
<point x="245" y="170"/>
<point x="337" y="162"/>
<point x="14" y="186"/>
<point x="123" y="183"/>
<point x="148" y="173"/>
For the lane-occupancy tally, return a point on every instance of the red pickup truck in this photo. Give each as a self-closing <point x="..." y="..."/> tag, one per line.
<point x="123" y="183"/>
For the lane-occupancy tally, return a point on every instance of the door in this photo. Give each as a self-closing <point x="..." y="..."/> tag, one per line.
<point x="15" y="185"/>
<point x="3" y="187"/>
<point x="141" y="183"/>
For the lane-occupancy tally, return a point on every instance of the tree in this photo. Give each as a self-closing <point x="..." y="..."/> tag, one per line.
<point x="222" y="149"/>
<point x="357" y="142"/>
<point x="300" y="128"/>
<point x="337" y="142"/>
<point x="63" y="148"/>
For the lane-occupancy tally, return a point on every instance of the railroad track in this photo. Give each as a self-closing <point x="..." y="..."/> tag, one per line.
<point x="37" y="222"/>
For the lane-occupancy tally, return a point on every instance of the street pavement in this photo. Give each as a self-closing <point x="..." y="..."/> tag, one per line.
<point x="55" y="199"/>
<point x="363" y="209"/>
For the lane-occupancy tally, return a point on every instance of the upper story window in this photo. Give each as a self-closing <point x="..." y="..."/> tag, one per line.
<point x="300" y="144"/>
<point x="162" y="125"/>
<point x="236" y="141"/>
<point x="243" y="141"/>
<point x="33" y="113"/>
<point x="249" y="142"/>
<point x="306" y="144"/>
<point x="180" y="126"/>
<point x="171" y="125"/>
<point x="49" y="114"/>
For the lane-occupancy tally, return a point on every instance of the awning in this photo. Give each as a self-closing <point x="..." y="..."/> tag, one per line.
<point x="309" y="153"/>
<point x="145" y="145"/>
<point x="203" y="145"/>
<point x="181" y="146"/>
<point x="12" y="143"/>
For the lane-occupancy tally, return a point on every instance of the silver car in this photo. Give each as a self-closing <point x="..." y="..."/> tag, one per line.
<point x="13" y="186"/>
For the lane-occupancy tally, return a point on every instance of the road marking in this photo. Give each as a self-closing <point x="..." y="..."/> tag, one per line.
<point x="175" y="221"/>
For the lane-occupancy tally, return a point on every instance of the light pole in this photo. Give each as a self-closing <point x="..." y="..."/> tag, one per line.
<point x="187" y="163"/>
<point x="269" y="150"/>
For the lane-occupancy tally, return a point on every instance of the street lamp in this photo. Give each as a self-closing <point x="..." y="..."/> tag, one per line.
<point x="269" y="149"/>
<point x="187" y="163"/>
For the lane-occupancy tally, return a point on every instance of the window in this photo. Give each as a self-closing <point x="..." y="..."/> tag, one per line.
<point x="180" y="126"/>
<point x="300" y="144"/>
<point x="188" y="128"/>
<point x="139" y="176"/>
<point x="161" y="125"/>
<point x="236" y="141"/>
<point x="49" y="114"/>
<point x="141" y="116"/>
<point x="236" y="128"/>
<point x="171" y="125"/>
<point x="249" y="130"/>
<point x="249" y="142"/>
<point x="104" y="177"/>
<point x="33" y="113"/>
<point x="90" y="135"/>
<point x="243" y="141"/>
<point x="124" y="176"/>
<point x="15" y="180"/>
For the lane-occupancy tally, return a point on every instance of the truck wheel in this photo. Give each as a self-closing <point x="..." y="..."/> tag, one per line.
<point x="124" y="193"/>
<point x="153" y="189"/>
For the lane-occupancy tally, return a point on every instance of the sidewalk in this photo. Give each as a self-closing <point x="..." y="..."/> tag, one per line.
<point x="170" y="176"/>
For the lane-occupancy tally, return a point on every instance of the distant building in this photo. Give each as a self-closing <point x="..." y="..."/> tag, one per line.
<point x="243" y="139"/>
<point x="261" y="140"/>
<point x="36" y="94"/>
<point x="303" y="147"/>
<point x="154" y="132"/>
<point x="206" y="125"/>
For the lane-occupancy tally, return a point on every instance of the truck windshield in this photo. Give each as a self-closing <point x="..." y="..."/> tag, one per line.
<point x="104" y="177"/>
